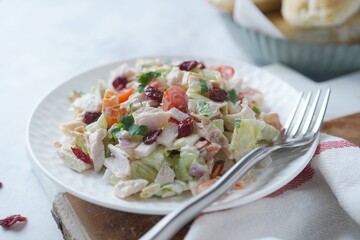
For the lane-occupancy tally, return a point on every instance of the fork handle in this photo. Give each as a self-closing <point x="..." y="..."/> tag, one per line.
<point x="175" y="220"/>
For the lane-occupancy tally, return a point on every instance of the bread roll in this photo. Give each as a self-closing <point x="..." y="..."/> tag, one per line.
<point x="225" y="5"/>
<point x="346" y="33"/>
<point x="268" y="5"/>
<point x="263" y="5"/>
<point x="318" y="13"/>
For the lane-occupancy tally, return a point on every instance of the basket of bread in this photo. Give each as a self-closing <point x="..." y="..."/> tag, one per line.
<point x="320" y="38"/>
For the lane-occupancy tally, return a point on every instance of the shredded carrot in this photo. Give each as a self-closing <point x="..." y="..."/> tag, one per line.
<point x="125" y="94"/>
<point x="111" y="107"/>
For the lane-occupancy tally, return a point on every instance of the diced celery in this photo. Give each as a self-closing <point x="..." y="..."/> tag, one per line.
<point x="156" y="158"/>
<point x="150" y="190"/>
<point x="189" y="140"/>
<point x="219" y="123"/>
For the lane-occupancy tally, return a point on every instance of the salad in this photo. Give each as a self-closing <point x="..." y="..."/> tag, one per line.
<point x="163" y="128"/>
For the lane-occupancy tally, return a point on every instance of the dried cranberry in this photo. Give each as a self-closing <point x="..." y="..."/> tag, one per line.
<point x="150" y="137"/>
<point x="185" y="127"/>
<point x="91" y="117"/>
<point x="11" y="220"/>
<point x="119" y="82"/>
<point x="201" y="65"/>
<point x="173" y="120"/>
<point x="190" y="65"/>
<point x="81" y="155"/>
<point x="217" y="94"/>
<point x="153" y="93"/>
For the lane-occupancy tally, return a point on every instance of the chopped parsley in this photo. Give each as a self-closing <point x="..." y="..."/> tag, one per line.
<point x="128" y="123"/>
<point x="256" y="110"/>
<point x="232" y="97"/>
<point x="145" y="78"/>
<point x="237" y="123"/>
<point x="203" y="86"/>
<point x="115" y="132"/>
<point x="204" y="108"/>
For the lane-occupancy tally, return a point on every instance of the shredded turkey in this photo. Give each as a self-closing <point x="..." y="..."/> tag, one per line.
<point x="96" y="148"/>
<point x="165" y="175"/>
<point x="168" y="134"/>
<point x="126" y="188"/>
<point x="153" y="118"/>
<point x="144" y="150"/>
<point x="71" y="160"/>
<point x="211" y="133"/>
<point x="119" y="163"/>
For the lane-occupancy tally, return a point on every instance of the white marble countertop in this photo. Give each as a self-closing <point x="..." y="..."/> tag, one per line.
<point x="43" y="43"/>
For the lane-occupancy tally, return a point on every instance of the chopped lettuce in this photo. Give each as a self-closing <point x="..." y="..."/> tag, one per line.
<point x="246" y="137"/>
<point x="189" y="140"/>
<point x="148" y="167"/>
<point x="211" y="75"/>
<point x="194" y="85"/>
<point x="173" y="189"/>
<point x="181" y="163"/>
<point x="151" y="190"/>
<point x="203" y="108"/>
<point x="197" y="96"/>
<point x="140" y="170"/>
<point x="219" y="123"/>
<point x="230" y="119"/>
<point x="156" y="158"/>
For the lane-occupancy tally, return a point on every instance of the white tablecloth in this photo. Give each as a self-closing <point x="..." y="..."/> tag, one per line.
<point x="43" y="43"/>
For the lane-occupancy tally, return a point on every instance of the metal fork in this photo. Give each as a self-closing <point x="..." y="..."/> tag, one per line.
<point x="301" y="129"/>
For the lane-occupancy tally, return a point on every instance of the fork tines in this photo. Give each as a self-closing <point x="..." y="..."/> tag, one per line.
<point x="306" y="118"/>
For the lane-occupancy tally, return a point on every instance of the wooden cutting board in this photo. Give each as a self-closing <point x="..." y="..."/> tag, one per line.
<point x="78" y="219"/>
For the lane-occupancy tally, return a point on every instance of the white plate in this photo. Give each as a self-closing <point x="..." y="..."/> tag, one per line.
<point x="53" y="110"/>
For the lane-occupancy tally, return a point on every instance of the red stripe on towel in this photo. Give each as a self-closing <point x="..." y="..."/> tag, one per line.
<point x="333" y="144"/>
<point x="304" y="176"/>
<point x="308" y="171"/>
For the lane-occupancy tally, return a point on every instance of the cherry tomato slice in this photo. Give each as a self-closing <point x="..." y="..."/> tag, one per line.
<point x="227" y="71"/>
<point x="175" y="97"/>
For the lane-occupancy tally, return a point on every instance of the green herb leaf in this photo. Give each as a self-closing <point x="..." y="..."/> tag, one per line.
<point x="204" y="108"/>
<point x="145" y="78"/>
<point x="115" y="132"/>
<point x="237" y="123"/>
<point x="232" y="96"/>
<point x="131" y="106"/>
<point x="128" y="123"/>
<point x="256" y="109"/>
<point x="141" y="89"/>
<point x="138" y="130"/>
<point x="203" y="86"/>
